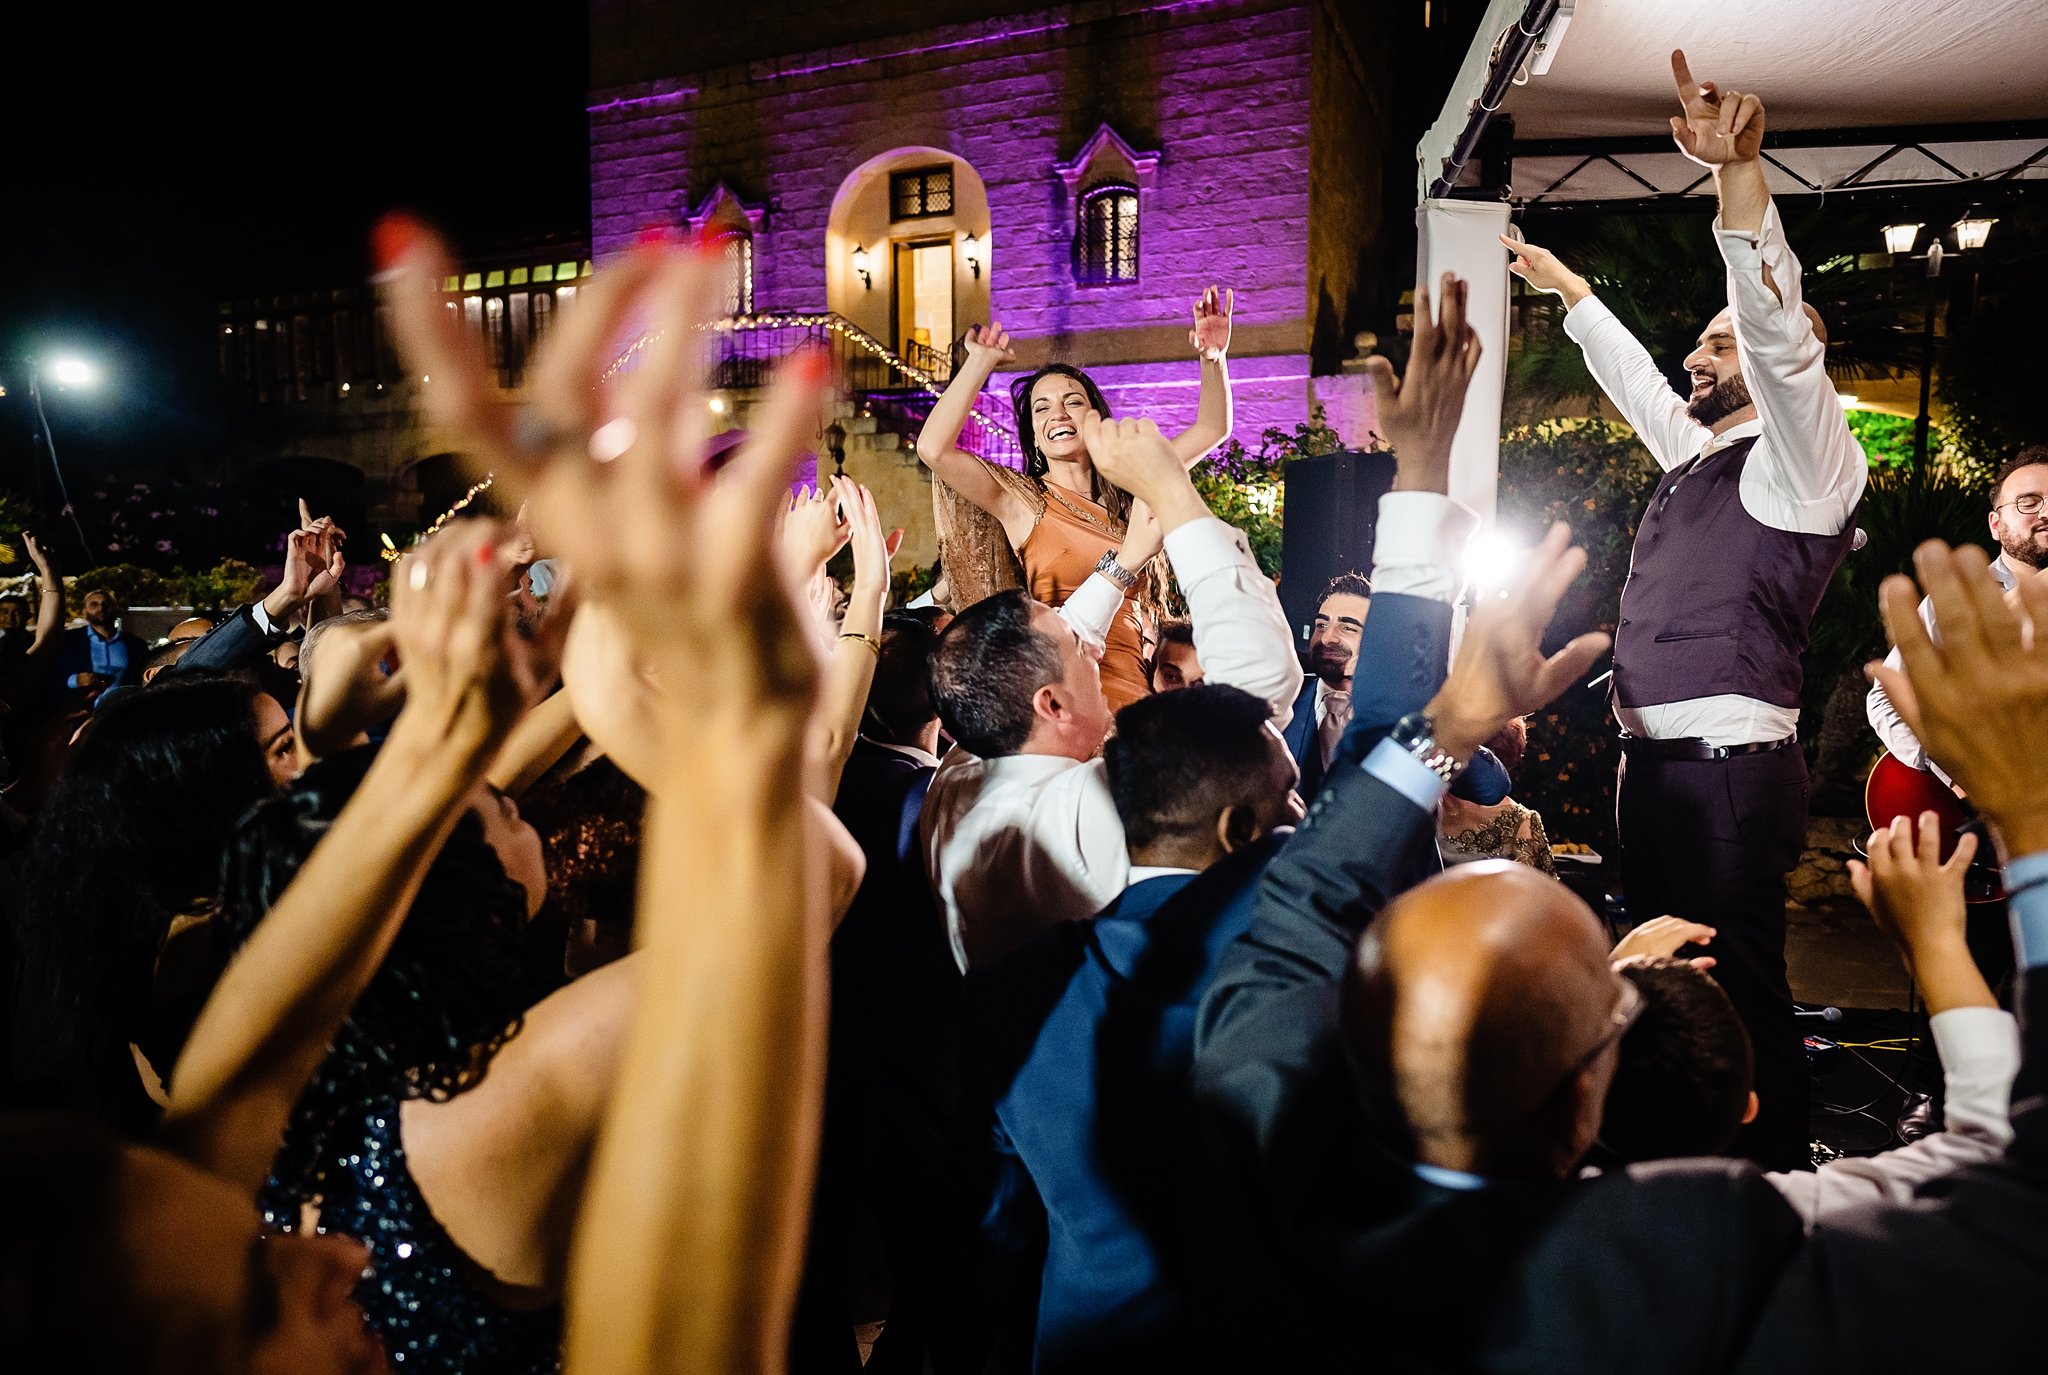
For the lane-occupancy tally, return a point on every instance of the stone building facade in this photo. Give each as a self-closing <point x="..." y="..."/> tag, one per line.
<point x="1079" y="173"/>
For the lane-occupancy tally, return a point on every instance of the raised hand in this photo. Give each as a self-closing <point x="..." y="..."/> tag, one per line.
<point x="1918" y="901"/>
<point x="1211" y="334"/>
<point x="1540" y="268"/>
<point x="1718" y="127"/>
<point x="1136" y="457"/>
<point x="988" y="346"/>
<point x="872" y="547"/>
<point x="815" y="529"/>
<point x="1663" y="937"/>
<point x="1500" y="671"/>
<point x="1419" y="411"/>
<point x="39" y="556"/>
<point x="1978" y="700"/>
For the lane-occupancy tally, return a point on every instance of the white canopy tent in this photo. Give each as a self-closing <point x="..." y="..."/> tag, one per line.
<point x="1943" y="100"/>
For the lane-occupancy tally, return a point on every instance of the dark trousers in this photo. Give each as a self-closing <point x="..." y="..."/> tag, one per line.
<point x="1712" y="841"/>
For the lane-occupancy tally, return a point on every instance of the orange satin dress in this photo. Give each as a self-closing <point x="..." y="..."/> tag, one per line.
<point x="1072" y="535"/>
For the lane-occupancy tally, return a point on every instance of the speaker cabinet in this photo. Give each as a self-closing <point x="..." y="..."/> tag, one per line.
<point x="1332" y="504"/>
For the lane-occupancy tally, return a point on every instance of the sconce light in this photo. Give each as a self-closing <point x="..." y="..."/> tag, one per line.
<point x="1971" y="232"/>
<point x="1898" y="238"/>
<point x="835" y="445"/>
<point x="860" y="265"/>
<point x="972" y="246"/>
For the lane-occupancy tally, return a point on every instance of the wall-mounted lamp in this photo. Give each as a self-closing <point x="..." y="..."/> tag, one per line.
<point x="1898" y="238"/>
<point x="835" y="445"/>
<point x="860" y="265"/>
<point x="972" y="246"/>
<point x="1971" y="232"/>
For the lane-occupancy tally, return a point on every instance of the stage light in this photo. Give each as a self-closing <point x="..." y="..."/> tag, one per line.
<point x="1971" y="232"/>
<point x="1493" y="559"/>
<point x="1898" y="238"/>
<point x="71" y="371"/>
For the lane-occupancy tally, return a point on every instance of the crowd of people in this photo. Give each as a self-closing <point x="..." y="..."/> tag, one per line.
<point x="630" y="951"/>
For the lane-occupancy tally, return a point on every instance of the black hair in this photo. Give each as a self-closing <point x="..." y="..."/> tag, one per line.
<point x="1682" y="1082"/>
<point x="454" y="987"/>
<point x="899" y="704"/>
<point x="1179" y="758"/>
<point x="987" y="668"/>
<point x="1176" y="630"/>
<point x="64" y="1300"/>
<point x="132" y="836"/>
<point x="590" y="827"/>
<point x="1346" y="585"/>
<point x="1114" y="499"/>
<point x="2031" y="456"/>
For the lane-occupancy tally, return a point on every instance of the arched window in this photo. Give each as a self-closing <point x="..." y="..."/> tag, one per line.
<point x="1106" y="239"/>
<point x="736" y="258"/>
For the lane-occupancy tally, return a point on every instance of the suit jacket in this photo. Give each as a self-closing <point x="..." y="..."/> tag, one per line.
<point x="1082" y="1042"/>
<point x="74" y="655"/>
<point x="1485" y="781"/>
<point x="236" y="641"/>
<point x="1954" y="1280"/>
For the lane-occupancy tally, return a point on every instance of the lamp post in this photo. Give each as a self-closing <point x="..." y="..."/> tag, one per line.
<point x="1971" y="233"/>
<point x="70" y="373"/>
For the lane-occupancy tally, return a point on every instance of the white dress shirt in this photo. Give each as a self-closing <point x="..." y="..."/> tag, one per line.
<point x="1805" y="473"/>
<point x="1019" y="844"/>
<point x="1980" y="1055"/>
<point x="1884" y="718"/>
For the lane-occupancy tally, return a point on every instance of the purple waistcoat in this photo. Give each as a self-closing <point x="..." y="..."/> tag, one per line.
<point x="1716" y="601"/>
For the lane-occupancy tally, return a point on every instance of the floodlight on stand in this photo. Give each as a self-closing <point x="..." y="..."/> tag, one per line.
<point x="1898" y="238"/>
<point x="1972" y="231"/>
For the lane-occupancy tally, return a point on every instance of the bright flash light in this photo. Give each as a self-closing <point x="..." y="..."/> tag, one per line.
<point x="718" y="405"/>
<point x="1494" y="559"/>
<point x="71" y="371"/>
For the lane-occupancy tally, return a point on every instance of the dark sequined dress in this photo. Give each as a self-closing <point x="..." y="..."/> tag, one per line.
<point x="419" y="1295"/>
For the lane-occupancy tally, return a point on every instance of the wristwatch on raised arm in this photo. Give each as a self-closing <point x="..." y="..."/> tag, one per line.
<point x="1416" y="734"/>
<point x="1114" y="571"/>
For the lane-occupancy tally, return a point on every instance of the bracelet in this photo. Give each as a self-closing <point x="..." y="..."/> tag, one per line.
<point x="1116" y="572"/>
<point x="870" y="641"/>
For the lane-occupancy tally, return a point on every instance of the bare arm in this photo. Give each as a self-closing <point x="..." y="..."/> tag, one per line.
<point x="850" y="670"/>
<point x="1211" y="339"/>
<point x="988" y="348"/>
<point x="49" y="599"/>
<point x="263" y="1032"/>
<point x="536" y="745"/>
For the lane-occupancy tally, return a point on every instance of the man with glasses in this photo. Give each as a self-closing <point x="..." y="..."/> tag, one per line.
<point x="2019" y="522"/>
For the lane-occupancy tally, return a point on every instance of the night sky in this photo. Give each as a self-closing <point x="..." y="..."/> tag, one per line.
<point x="163" y="160"/>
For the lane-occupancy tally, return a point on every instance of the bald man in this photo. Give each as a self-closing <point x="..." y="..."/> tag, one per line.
<point x="1483" y="1018"/>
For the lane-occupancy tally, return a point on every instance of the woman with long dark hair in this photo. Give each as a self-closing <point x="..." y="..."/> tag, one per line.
<point x="1060" y="520"/>
<point x="115" y="947"/>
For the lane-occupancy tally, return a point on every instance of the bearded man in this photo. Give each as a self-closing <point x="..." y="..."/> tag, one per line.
<point x="1755" y="513"/>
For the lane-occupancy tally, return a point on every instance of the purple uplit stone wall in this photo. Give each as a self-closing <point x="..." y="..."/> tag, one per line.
<point x="1219" y="88"/>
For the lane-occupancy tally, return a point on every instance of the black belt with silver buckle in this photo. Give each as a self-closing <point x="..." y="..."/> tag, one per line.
<point x="1695" y="749"/>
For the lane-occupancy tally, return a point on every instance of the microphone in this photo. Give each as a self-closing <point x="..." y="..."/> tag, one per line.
<point x="1826" y="1014"/>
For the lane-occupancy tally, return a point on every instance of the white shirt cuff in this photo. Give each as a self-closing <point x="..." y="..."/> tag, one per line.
<point x="1092" y="608"/>
<point x="1205" y="546"/>
<point x="261" y="617"/>
<point x="1971" y="1040"/>
<point x="1406" y="775"/>
<point x="1419" y="548"/>
<point x="1744" y="248"/>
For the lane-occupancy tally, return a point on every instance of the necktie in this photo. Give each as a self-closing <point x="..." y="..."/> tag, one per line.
<point x="1336" y="716"/>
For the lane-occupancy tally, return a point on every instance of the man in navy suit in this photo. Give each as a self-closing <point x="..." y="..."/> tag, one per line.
<point x="1323" y="709"/>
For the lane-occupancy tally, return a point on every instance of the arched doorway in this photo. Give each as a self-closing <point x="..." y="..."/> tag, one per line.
<point x="907" y="251"/>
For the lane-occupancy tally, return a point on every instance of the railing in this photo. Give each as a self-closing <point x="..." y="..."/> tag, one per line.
<point x="899" y="392"/>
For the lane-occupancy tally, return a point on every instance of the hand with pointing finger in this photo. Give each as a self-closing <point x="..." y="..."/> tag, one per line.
<point x="1718" y="127"/>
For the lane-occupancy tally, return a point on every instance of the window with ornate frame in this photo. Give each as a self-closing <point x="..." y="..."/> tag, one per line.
<point x="921" y="193"/>
<point x="736" y="261"/>
<point x="1106" y="238"/>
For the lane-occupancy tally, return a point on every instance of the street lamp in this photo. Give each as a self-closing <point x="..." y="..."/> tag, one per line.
<point x="70" y="373"/>
<point x="1971" y="234"/>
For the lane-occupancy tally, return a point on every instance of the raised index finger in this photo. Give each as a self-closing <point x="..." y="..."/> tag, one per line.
<point x="1688" y="89"/>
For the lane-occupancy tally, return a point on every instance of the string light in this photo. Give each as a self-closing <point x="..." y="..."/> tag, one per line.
<point x="392" y="555"/>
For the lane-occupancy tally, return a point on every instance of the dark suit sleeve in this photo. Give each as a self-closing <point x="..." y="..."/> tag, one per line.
<point x="236" y="641"/>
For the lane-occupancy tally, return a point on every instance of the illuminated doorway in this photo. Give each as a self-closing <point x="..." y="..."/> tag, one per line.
<point x="924" y="302"/>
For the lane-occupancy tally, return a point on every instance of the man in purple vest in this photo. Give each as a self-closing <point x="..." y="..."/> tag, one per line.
<point x="1755" y="513"/>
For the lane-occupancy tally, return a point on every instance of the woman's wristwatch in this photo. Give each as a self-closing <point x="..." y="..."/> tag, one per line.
<point x="1116" y="572"/>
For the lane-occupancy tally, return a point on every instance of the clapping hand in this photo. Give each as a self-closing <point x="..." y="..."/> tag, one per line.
<point x="1500" y="671"/>
<point x="1661" y="938"/>
<point x="813" y="531"/>
<point x="1978" y="700"/>
<point x="1419" y="411"/>
<point x="1918" y="901"/>
<point x="1718" y="127"/>
<point x="1211" y="334"/>
<point x="1136" y="457"/>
